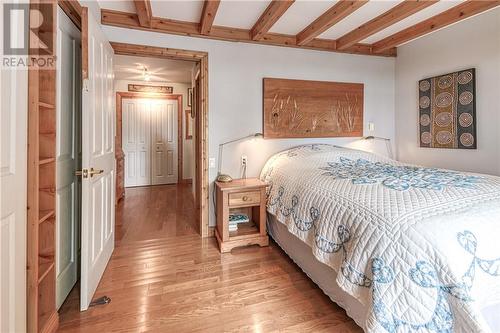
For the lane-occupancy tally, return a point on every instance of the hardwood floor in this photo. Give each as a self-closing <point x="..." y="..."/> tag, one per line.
<point x="163" y="277"/>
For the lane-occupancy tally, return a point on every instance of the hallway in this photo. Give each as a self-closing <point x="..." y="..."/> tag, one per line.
<point x="153" y="212"/>
<point x="163" y="277"/>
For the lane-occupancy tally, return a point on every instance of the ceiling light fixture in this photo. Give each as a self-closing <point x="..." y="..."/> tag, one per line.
<point x="146" y="75"/>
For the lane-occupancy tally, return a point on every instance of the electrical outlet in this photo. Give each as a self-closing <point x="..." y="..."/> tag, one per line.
<point x="211" y="162"/>
<point x="244" y="160"/>
<point x="371" y="127"/>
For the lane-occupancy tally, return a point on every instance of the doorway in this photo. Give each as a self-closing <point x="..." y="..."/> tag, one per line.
<point x="150" y="138"/>
<point x="198" y="107"/>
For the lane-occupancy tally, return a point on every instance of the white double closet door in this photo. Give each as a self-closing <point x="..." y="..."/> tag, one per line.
<point x="149" y="141"/>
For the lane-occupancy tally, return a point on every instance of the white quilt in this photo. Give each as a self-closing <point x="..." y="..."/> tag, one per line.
<point x="419" y="247"/>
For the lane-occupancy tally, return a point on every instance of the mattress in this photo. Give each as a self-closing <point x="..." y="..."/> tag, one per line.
<point x="416" y="247"/>
<point x="322" y="275"/>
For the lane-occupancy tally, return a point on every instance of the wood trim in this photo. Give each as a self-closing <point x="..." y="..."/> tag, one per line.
<point x="85" y="43"/>
<point x="332" y="16"/>
<point x="128" y="94"/>
<point x="144" y="13"/>
<point x="131" y="21"/>
<point x="210" y="8"/>
<point x="187" y="117"/>
<point x="271" y="15"/>
<point x="390" y="17"/>
<point x="156" y="52"/>
<point x="453" y="15"/>
<point x="202" y="137"/>
<point x="73" y="9"/>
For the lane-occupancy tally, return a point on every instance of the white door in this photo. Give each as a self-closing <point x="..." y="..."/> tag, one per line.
<point x="136" y="141"/>
<point x="164" y="141"/>
<point x="68" y="150"/>
<point x="149" y="141"/>
<point x="98" y="158"/>
<point x="13" y="163"/>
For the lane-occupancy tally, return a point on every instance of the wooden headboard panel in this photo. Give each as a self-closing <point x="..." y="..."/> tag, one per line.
<point x="312" y="109"/>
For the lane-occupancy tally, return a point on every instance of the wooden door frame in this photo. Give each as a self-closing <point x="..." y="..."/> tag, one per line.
<point x="80" y="15"/>
<point x="120" y="95"/>
<point x="202" y="114"/>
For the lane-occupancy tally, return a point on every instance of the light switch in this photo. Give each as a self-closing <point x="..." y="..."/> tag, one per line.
<point x="211" y="162"/>
<point x="371" y="127"/>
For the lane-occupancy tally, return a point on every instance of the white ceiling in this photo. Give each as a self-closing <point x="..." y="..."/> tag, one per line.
<point x="161" y="70"/>
<point x="248" y="13"/>
<point x="243" y="14"/>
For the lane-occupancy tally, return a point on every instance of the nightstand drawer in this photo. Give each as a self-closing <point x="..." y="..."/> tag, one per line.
<point x="244" y="198"/>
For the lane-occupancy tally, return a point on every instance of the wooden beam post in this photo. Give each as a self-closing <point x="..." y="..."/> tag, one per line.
<point x="210" y="8"/>
<point x="332" y="16"/>
<point x="394" y="15"/>
<point x="143" y="9"/>
<point x="453" y="15"/>
<point x="270" y="16"/>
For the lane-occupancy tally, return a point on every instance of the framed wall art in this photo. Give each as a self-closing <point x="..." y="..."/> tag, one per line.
<point x="150" y="89"/>
<point x="447" y="110"/>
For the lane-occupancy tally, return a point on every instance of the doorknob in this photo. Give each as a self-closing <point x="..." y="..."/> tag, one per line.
<point x="84" y="173"/>
<point x="95" y="172"/>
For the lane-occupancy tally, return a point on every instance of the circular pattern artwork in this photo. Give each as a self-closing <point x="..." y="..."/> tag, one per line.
<point x="444" y="99"/>
<point x="467" y="139"/>
<point x="443" y="119"/>
<point x="424" y="85"/>
<point x="425" y="101"/>
<point x="445" y="81"/>
<point x="465" y="119"/>
<point x="425" y="120"/>
<point x="465" y="77"/>
<point x="465" y="98"/>
<point x="426" y="138"/>
<point x="443" y="137"/>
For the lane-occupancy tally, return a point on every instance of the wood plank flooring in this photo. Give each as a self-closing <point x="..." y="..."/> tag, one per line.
<point x="163" y="277"/>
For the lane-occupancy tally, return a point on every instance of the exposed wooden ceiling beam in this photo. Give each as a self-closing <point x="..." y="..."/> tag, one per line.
<point x="270" y="16"/>
<point x="394" y="15"/>
<point x="452" y="15"/>
<point x="208" y="15"/>
<point x="144" y="13"/>
<point x="131" y="21"/>
<point x="73" y="9"/>
<point x="332" y="16"/>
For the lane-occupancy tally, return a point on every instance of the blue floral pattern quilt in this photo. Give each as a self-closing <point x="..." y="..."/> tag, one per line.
<point x="419" y="247"/>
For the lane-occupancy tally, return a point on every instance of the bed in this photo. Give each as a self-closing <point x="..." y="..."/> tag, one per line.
<point x="402" y="248"/>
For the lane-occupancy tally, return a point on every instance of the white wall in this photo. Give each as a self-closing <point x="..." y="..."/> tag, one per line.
<point x="472" y="43"/>
<point x="235" y="88"/>
<point x="179" y="88"/>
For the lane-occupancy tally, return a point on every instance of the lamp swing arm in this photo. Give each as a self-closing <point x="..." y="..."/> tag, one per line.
<point x="221" y="148"/>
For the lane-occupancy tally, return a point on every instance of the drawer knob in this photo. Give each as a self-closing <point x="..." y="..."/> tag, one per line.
<point x="245" y="198"/>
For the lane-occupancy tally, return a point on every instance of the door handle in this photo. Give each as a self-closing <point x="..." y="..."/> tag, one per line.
<point x="95" y="172"/>
<point x="84" y="173"/>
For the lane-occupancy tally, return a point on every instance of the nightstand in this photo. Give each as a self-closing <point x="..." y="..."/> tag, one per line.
<point x="241" y="196"/>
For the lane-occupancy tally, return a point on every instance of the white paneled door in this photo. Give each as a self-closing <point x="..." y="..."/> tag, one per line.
<point x="136" y="141"/>
<point x="68" y="152"/>
<point x="150" y="141"/>
<point x="98" y="162"/>
<point x="13" y="168"/>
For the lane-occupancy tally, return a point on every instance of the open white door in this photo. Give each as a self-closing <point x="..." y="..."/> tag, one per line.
<point x="68" y="188"/>
<point x="98" y="162"/>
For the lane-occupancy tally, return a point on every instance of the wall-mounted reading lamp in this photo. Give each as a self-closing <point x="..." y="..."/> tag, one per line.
<point x="224" y="178"/>
<point x="387" y="143"/>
